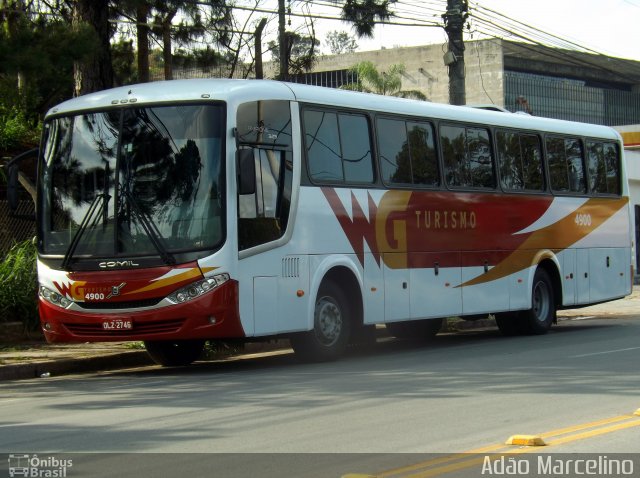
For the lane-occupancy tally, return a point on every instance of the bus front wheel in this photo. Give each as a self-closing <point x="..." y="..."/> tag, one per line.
<point x="174" y="353"/>
<point x="331" y="327"/>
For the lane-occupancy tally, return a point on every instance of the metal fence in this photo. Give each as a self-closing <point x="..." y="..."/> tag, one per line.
<point x="569" y="100"/>
<point x="329" y="79"/>
<point x="17" y="227"/>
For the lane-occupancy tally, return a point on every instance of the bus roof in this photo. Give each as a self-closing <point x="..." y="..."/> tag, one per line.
<point x="238" y="91"/>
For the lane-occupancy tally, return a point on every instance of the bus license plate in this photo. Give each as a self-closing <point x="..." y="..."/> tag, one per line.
<point x="117" y="324"/>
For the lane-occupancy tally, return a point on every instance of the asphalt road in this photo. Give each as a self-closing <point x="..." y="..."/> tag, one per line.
<point x="464" y="392"/>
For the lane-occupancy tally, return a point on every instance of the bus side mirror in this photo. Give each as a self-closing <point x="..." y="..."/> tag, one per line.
<point x="246" y="172"/>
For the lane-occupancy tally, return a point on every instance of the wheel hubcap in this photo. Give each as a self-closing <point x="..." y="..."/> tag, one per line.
<point x="328" y="321"/>
<point x="541" y="301"/>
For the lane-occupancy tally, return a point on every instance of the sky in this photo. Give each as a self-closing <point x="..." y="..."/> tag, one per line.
<point x="611" y="27"/>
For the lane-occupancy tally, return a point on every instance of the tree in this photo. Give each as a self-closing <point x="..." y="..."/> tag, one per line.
<point x="301" y="52"/>
<point x="209" y="19"/>
<point x="389" y="83"/>
<point x="364" y="14"/>
<point x="94" y="72"/>
<point x="340" y="42"/>
<point x="37" y="54"/>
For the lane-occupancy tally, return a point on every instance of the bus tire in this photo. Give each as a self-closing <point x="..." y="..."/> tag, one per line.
<point x="331" y="327"/>
<point x="174" y="353"/>
<point x="538" y="319"/>
<point x="419" y="330"/>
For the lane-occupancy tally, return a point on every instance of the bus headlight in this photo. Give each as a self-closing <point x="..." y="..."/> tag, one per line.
<point x="53" y="297"/>
<point x="195" y="290"/>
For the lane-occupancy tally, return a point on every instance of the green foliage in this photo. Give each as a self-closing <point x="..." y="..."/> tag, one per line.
<point x="340" y="42"/>
<point x="15" y="130"/>
<point x="302" y="53"/>
<point x="124" y="62"/>
<point x="18" y="294"/>
<point x="389" y="83"/>
<point x="36" y="63"/>
<point x="364" y="14"/>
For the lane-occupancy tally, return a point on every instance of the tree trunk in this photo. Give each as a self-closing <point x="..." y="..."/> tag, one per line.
<point x="95" y="72"/>
<point x="142" y="36"/>
<point x="166" y="44"/>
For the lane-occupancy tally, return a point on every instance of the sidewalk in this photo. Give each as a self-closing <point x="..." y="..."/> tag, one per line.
<point x="38" y="359"/>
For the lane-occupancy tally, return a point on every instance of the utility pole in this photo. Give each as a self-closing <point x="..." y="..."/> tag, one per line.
<point x="457" y="13"/>
<point x="258" y="49"/>
<point x="282" y="42"/>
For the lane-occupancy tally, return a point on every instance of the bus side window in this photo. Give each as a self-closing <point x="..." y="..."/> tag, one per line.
<point x="338" y="147"/>
<point x="520" y="161"/>
<point x="456" y="167"/>
<point x="566" y="170"/>
<point x="532" y="162"/>
<point x="468" y="159"/>
<point x="604" y="168"/>
<point x="407" y="152"/>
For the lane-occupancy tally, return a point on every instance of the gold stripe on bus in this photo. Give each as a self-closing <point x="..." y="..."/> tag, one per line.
<point x="192" y="273"/>
<point x="558" y="236"/>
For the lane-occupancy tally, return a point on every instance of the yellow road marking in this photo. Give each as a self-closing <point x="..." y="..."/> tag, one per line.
<point x="593" y="433"/>
<point x="460" y="461"/>
<point x="584" y="426"/>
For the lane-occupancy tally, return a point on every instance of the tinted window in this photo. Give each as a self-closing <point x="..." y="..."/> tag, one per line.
<point x="393" y="148"/>
<point x="323" y="146"/>
<point x="520" y="161"/>
<point x="356" y="148"/>
<point x="532" y="162"/>
<point x="468" y="160"/>
<point x="424" y="161"/>
<point x="338" y="147"/>
<point x="604" y="168"/>
<point x="407" y="152"/>
<point x="566" y="170"/>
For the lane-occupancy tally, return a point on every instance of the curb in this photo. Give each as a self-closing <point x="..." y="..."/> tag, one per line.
<point x="74" y="365"/>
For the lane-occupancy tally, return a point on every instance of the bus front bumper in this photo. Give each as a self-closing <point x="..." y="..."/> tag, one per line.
<point x="213" y="315"/>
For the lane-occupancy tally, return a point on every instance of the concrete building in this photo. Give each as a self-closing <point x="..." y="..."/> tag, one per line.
<point x="544" y="81"/>
<point x="631" y="136"/>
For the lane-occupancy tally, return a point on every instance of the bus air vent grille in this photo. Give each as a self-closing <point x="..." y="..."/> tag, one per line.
<point x="291" y="267"/>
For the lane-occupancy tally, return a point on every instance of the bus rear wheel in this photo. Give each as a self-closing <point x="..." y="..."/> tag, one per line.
<point x="419" y="330"/>
<point x="331" y="327"/>
<point x="174" y="353"/>
<point x="538" y="319"/>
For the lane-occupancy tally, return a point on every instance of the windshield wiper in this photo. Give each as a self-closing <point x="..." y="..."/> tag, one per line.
<point x="150" y="229"/>
<point x="98" y="204"/>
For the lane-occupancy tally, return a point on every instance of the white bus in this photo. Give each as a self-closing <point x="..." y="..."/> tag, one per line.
<point x="184" y="211"/>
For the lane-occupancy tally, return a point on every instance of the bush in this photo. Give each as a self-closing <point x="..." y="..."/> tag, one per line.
<point x="15" y="130"/>
<point x="18" y="294"/>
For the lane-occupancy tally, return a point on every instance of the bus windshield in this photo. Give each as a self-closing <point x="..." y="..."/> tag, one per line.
<point x="133" y="182"/>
